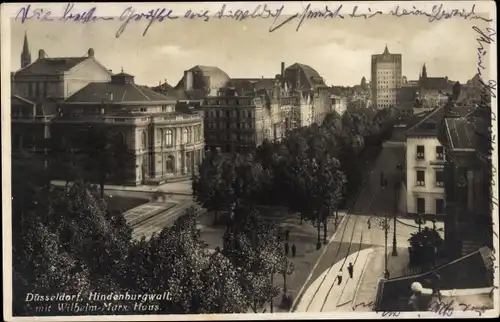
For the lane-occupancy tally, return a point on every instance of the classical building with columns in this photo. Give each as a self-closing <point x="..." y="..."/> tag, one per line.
<point x="165" y="144"/>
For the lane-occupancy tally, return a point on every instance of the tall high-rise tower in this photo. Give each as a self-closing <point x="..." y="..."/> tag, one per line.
<point x="25" y="55"/>
<point x="386" y="78"/>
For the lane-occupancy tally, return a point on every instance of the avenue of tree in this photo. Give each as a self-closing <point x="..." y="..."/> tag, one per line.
<point x="65" y="239"/>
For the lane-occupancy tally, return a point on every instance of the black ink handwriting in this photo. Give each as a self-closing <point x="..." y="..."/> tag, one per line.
<point x="84" y="17"/>
<point x="153" y="15"/>
<point x="441" y="308"/>
<point x="467" y="307"/>
<point x="25" y="13"/>
<point x="363" y="304"/>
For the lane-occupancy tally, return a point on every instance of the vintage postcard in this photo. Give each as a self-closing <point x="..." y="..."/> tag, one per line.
<point x="249" y="160"/>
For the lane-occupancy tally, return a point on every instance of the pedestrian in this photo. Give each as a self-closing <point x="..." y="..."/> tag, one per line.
<point x="339" y="277"/>
<point x="350" y="269"/>
<point x="294" y="249"/>
<point x="286" y="249"/>
<point x="369" y="223"/>
<point x="287" y="234"/>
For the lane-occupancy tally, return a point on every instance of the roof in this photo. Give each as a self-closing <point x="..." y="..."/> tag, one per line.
<point x="428" y="124"/>
<point x="215" y="74"/>
<point x="15" y="99"/>
<point x="394" y="293"/>
<point x="461" y="133"/>
<point x="44" y="66"/>
<point x="313" y="77"/>
<point x="122" y="93"/>
<point x="436" y="83"/>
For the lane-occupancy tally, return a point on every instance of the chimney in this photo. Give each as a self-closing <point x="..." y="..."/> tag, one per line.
<point x="90" y="52"/>
<point x="41" y="54"/>
<point x="282" y="68"/>
<point x="188" y="80"/>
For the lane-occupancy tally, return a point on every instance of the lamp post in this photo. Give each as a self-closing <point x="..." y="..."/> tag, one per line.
<point x="385" y="226"/>
<point x="394" y="242"/>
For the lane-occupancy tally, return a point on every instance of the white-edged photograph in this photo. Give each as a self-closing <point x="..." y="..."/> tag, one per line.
<point x="247" y="160"/>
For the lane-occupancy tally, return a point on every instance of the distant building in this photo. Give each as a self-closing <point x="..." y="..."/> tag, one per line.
<point x="236" y="123"/>
<point x="339" y="104"/>
<point x="39" y="86"/>
<point x="163" y="143"/>
<point x="308" y="87"/>
<point x="430" y="88"/>
<point x="386" y="78"/>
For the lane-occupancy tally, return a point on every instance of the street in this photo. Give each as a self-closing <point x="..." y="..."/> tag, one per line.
<point x="361" y="241"/>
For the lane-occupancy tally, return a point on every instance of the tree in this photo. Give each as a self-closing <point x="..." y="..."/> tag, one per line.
<point x="104" y="155"/>
<point x="208" y="185"/>
<point x="253" y="248"/>
<point x="423" y="245"/>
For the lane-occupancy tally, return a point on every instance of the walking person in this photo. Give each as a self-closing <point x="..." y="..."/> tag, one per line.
<point x="350" y="269"/>
<point x="294" y="249"/>
<point x="369" y="223"/>
<point x="339" y="277"/>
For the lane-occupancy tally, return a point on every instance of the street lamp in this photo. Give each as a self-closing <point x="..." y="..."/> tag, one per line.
<point x="394" y="242"/>
<point x="385" y="226"/>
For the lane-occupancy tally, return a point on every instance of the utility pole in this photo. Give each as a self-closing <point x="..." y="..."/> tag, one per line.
<point x="394" y="242"/>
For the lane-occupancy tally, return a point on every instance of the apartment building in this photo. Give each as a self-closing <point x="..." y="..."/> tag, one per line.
<point x="424" y="167"/>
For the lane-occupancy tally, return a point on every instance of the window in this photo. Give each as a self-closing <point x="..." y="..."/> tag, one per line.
<point x="159" y="135"/>
<point x="169" y="137"/>
<point x="439" y="153"/>
<point x="143" y="139"/>
<point x="439" y="178"/>
<point x="228" y="125"/>
<point x="421" y="205"/>
<point x="185" y="135"/>
<point x="420" y="152"/>
<point x="439" y="206"/>
<point x="169" y="164"/>
<point x="228" y="114"/>
<point x="190" y="136"/>
<point x="420" y="178"/>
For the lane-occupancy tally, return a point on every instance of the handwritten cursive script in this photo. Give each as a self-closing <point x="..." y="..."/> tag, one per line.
<point x="438" y="12"/>
<point x="152" y="16"/>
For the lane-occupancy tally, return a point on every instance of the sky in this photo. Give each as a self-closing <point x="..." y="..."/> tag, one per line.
<point x="340" y="50"/>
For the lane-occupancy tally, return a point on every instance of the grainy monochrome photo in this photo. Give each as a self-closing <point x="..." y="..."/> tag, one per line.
<point x="249" y="160"/>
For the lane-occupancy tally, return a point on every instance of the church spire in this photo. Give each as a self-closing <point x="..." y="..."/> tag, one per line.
<point x="25" y="55"/>
<point x="386" y="50"/>
<point x="424" y="71"/>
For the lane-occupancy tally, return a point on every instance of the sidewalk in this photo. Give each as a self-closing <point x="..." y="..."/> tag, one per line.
<point x="180" y="187"/>
<point x="303" y="236"/>
<point x="368" y="287"/>
<point x="325" y="295"/>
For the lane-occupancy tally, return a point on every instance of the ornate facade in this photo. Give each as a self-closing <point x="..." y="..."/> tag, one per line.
<point x="164" y="144"/>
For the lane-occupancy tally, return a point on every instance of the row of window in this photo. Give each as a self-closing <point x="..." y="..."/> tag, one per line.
<point x="439" y="175"/>
<point x="439" y="206"/>
<point x="235" y="137"/>
<point x="229" y="102"/>
<point x="166" y="136"/>
<point x="229" y="114"/>
<point x="421" y="152"/>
